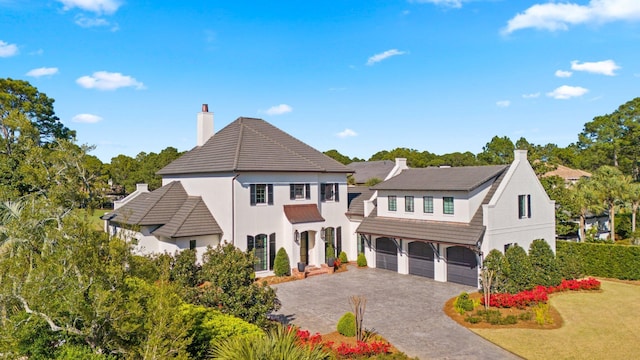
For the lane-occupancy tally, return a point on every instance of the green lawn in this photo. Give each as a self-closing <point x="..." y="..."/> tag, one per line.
<point x="98" y="224"/>
<point x="598" y="325"/>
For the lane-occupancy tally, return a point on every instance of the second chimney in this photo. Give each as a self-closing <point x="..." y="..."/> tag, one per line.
<point x="205" y="125"/>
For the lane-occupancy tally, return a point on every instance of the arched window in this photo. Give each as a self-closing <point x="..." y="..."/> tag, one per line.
<point x="264" y="252"/>
<point x="329" y="239"/>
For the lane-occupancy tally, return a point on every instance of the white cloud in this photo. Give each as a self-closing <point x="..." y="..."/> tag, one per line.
<point x="606" y="67"/>
<point x="103" y="80"/>
<point x="531" y="96"/>
<point x="563" y="73"/>
<point x="279" y="109"/>
<point x="95" y="6"/>
<point x="346" y="133"/>
<point x="8" y="50"/>
<point x="446" y="3"/>
<point x="86" y="118"/>
<point x="86" y="22"/>
<point x="43" y="71"/>
<point x="384" y="55"/>
<point x="503" y="103"/>
<point x="554" y="16"/>
<point x="566" y="92"/>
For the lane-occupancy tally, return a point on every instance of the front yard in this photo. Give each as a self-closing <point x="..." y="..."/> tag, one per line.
<point x="596" y="325"/>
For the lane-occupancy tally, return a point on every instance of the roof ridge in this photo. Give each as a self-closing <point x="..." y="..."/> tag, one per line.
<point x="261" y="134"/>
<point x="237" y="153"/>
<point x="188" y="213"/>
<point x="160" y="196"/>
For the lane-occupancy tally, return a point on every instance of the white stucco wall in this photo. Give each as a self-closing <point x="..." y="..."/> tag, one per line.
<point x="501" y="214"/>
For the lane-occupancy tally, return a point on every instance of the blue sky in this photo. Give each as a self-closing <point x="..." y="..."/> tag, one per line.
<point x="356" y="76"/>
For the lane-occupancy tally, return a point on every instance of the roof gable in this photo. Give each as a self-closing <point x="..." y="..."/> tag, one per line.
<point x="192" y="219"/>
<point x="154" y="208"/>
<point x="249" y="144"/>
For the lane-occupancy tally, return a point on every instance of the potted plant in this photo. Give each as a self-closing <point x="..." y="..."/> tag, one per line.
<point x="331" y="256"/>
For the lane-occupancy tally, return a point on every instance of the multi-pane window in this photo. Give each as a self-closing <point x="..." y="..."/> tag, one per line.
<point x="408" y="203"/>
<point x="299" y="191"/>
<point x="329" y="192"/>
<point x="524" y="206"/>
<point x="264" y="250"/>
<point x="428" y="204"/>
<point x="447" y="205"/>
<point x="192" y="244"/>
<point x="393" y="205"/>
<point x="261" y="194"/>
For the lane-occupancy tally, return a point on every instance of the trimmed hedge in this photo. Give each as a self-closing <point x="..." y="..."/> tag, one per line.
<point x="362" y="260"/>
<point x="347" y="325"/>
<point x="605" y="260"/>
<point x="281" y="266"/>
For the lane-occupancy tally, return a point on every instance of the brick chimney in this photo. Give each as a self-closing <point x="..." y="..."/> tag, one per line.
<point x="205" y="125"/>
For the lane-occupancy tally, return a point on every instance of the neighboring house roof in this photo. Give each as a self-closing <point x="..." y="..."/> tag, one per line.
<point x="568" y="173"/>
<point x="193" y="219"/>
<point x="170" y="207"/>
<point x="249" y="144"/>
<point x="304" y="213"/>
<point x="365" y="170"/>
<point x="433" y="231"/>
<point x="464" y="178"/>
<point x="357" y="196"/>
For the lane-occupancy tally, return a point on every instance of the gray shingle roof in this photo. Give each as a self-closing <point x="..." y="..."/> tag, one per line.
<point x="178" y="214"/>
<point x="192" y="219"/>
<point x="154" y="208"/>
<point x="365" y="170"/>
<point x="464" y="178"/>
<point x="249" y="144"/>
<point x="357" y="196"/>
<point x="432" y="231"/>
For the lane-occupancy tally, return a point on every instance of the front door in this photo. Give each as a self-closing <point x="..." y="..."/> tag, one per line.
<point x="304" y="247"/>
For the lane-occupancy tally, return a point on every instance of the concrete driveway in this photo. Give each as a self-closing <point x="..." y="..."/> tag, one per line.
<point x="405" y="309"/>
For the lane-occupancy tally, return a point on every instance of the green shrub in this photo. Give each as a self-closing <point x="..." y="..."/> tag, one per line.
<point x="211" y="327"/>
<point x="525" y="316"/>
<point x="79" y="352"/>
<point x="473" y="319"/>
<point x="347" y="325"/>
<point x="518" y="270"/>
<point x="495" y="261"/>
<point x="362" y="260"/>
<point x="605" y="260"/>
<point x="509" y="320"/>
<point x="463" y="303"/>
<point x="543" y="262"/>
<point x="343" y="257"/>
<point x="281" y="265"/>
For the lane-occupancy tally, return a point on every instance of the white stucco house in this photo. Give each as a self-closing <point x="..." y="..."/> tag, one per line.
<point x="250" y="184"/>
<point x="440" y="222"/>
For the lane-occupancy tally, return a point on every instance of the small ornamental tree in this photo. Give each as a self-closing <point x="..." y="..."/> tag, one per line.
<point x="494" y="264"/>
<point x="543" y="262"/>
<point x="518" y="270"/>
<point x="281" y="266"/>
<point x="362" y="260"/>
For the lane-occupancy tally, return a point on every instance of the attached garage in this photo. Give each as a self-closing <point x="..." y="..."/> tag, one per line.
<point x="462" y="266"/>
<point x="386" y="254"/>
<point x="421" y="259"/>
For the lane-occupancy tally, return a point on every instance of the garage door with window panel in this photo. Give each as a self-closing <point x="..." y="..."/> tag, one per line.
<point x="386" y="254"/>
<point x="462" y="266"/>
<point x="421" y="259"/>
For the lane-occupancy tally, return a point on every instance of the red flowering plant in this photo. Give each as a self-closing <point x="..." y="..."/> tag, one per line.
<point x="361" y="349"/>
<point x="539" y="293"/>
<point x="337" y="263"/>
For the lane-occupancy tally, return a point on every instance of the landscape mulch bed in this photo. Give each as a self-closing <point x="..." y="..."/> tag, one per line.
<point x="273" y="280"/>
<point x="337" y="339"/>
<point x="521" y="324"/>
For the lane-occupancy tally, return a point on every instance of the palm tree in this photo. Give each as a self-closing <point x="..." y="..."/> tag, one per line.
<point x="585" y="197"/>
<point x="633" y="197"/>
<point x="611" y="186"/>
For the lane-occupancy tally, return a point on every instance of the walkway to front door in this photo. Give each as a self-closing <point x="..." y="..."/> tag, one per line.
<point x="405" y="309"/>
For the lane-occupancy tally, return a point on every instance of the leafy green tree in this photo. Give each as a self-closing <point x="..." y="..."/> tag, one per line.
<point x="585" y="200"/>
<point x="414" y="157"/>
<point x="633" y="199"/>
<point x="565" y="209"/>
<point x="373" y="181"/>
<point x="335" y="155"/>
<point x="21" y="97"/>
<point x="229" y="277"/>
<point x="495" y="263"/>
<point x="543" y="262"/>
<point x="498" y="151"/>
<point x="518" y="271"/>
